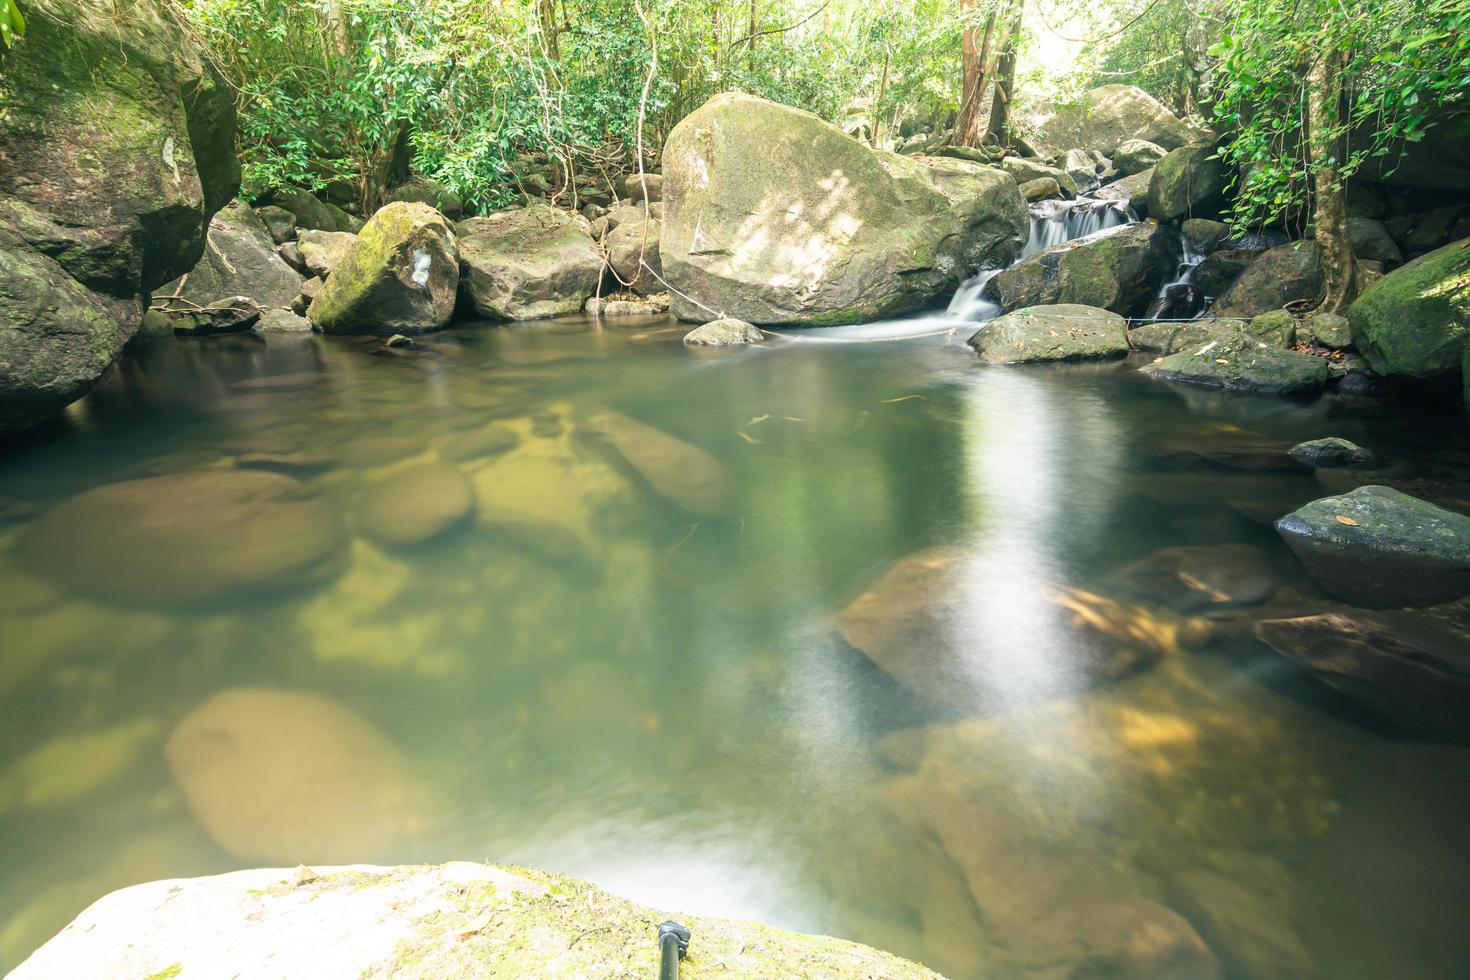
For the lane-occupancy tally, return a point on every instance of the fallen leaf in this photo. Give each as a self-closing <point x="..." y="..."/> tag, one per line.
<point x="304" y="875"/>
<point x="1221" y="360"/>
<point x="1344" y="519"/>
<point x="902" y="398"/>
<point x="479" y="925"/>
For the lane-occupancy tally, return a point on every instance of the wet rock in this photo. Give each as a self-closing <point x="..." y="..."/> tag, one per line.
<point x="1188" y="181"/>
<point x="1106" y="117"/>
<point x="773" y="215"/>
<point x="1221" y="268"/>
<point x="529" y="263"/>
<point x="1332" y="452"/>
<point x="1412" y="670"/>
<point x="398" y="340"/>
<point x="1135" y="156"/>
<point x="1250" y="929"/>
<point x="489" y="440"/>
<point x="1241" y="363"/>
<point x="323" y="250"/>
<point x="1329" y="329"/>
<point x="1180" y="301"/>
<point x="1024" y="170"/>
<point x="416" y="504"/>
<point x="365" y="921"/>
<point x="1203" y="234"/>
<point x="726" y="332"/>
<point x="632" y="251"/>
<point x="1415" y="321"/>
<point x="1133" y="190"/>
<point x="310" y="289"/>
<point x="911" y="623"/>
<point x="188" y="537"/>
<point x="1278" y="276"/>
<point x="282" y="321"/>
<point x="288" y="776"/>
<point x="1062" y="332"/>
<point x="1276" y="328"/>
<point x="618" y="307"/>
<point x="1379" y="548"/>
<point x="684" y="473"/>
<point x="1118" y="269"/>
<point x="233" y="314"/>
<point x="279" y="222"/>
<point x="401" y="275"/>
<point x="240" y="259"/>
<point x="1041" y="189"/>
<point x="1199" y="577"/>
<point x="378" y="450"/>
<point x="70" y="767"/>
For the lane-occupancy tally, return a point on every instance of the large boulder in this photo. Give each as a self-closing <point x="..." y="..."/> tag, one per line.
<point x="1064" y="332"/>
<point x="1171" y="337"/>
<point x="1118" y="269"/>
<point x="1105" y="117"/>
<point x="1415" y="321"/>
<point x="1135" y="156"/>
<point x="1410" y="669"/>
<point x="1370" y="240"/>
<point x="1221" y="268"/>
<point x="368" y="921"/>
<point x="773" y="216"/>
<point x="400" y="275"/>
<point x="1278" y="276"/>
<point x="1239" y="362"/>
<point x="1379" y="548"/>
<point x="1188" y="180"/>
<point x="423" y="190"/>
<point x="240" y="260"/>
<point x="532" y="262"/>
<point x="1132" y="190"/>
<point x="310" y="211"/>
<point x="116" y="147"/>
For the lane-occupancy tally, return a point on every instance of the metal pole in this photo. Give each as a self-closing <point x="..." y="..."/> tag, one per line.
<point x="673" y="944"/>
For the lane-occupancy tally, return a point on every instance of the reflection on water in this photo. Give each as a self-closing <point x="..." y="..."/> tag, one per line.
<point x="853" y="638"/>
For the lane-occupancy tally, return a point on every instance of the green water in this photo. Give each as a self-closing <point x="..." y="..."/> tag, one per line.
<point x="603" y="673"/>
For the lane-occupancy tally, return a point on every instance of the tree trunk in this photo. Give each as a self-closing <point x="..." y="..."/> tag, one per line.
<point x="1324" y="121"/>
<point x="546" y="16"/>
<point x="878" y="105"/>
<point x="998" y="131"/>
<point x="972" y="63"/>
<point x="750" y="44"/>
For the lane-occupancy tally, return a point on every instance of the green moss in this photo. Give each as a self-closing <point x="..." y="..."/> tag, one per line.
<point x="1415" y="321"/>
<point x="167" y="973"/>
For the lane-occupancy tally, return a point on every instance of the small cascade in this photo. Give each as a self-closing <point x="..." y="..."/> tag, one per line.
<point x="969" y="303"/>
<point x="1055" y="222"/>
<point x="1179" y="298"/>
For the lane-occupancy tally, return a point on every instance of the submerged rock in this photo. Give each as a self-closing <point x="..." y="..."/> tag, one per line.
<point x="1332" y="452"/>
<point x="416" y="504"/>
<point x="1415" y="321"/>
<point x="275" y="775"/>
<point x="1106" y="117"/>
<point x="189" y="537"/>
<point x="1277" y="277"/>
<point x="1412" y="670"/>
<point x="116" y="147"/>
<point x="684" y="473"/>
<point x="1379" y="548"/>
<point x="534" y="262"/>
<point x="1198" y="577"/>
<point x="400" y="276"/>
<point x="912" y="623"/>
<point x="726" y="332"/>
<point x="240" y="259"/>
<point x="773" y="216"/>
<point x="1242" y="363"/>
<point x="469" y="921"/>
<point x="1062" y="332"/>
<point x="1118" y="269"/>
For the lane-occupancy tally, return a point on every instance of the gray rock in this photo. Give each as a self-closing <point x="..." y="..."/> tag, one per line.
<point x="1024" y="170"/>
<point x="309" y="210"/>
<point x="345" y="221"/>
<point x="422" y="190"/>
<point x="309" y="291"/>
<point x="1105" y="117"/>
<point x="726" y="332"/>
<point x="290" y="253"/>
<point x="322" y="250"/>
<point x="1170" y="338"/>
<point x="1371" y="241"/>
<point x="282" y="321"/>
<point x="1329" y="329"/>
<point x="1241" y="363"/>
<point x="1278" y="276"/>
<point x="1203" y="234"/>
<point x="1062" y="332"/>
<point x="1080" y="166"/>
<point x="636" y="189"/>
<point x="1379" y="548"/>
<point x="240" y="259"/>
<point x="632" y="251"/>
<point x="416" y="504"/>
<point x="1332" y="452"/>
<point x="1118" y="269"/>
<point x="1189" y="180"/>
<point x="1132" y="189"/>
<point x="1220" y="269"/>
<point x="233" y="314"/>
<point x="1040" y="189"/>
<point x="529" y="263"/>
<point x="596" y="306"/>
<point x="279" y="222"/>
<point x="1135" y="156"/>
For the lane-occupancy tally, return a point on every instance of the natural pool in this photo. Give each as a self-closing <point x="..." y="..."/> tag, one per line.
<point x="634" y="661"/>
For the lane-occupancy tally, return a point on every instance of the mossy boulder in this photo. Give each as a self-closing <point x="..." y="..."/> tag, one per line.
<point x="1041" y="189"/>
<point x="1135" y="156"/>
<point x="1276" y="277"/>
<point x="1108" y="116"/>
<point x="322" y="250"/>
<point x="1415" y="321"/>
<point x="1133" y="190"/>
<point x="1243" y="363"/>
<point x="1118" y="269"/>
<point x="1188" y="181"/>
<point x="116" y="146"/>
<point x="1169" y="337"/>
<point x="532" y="262"/>
<point x="400" y="275"/>
<point x="458" y="920"/>
<point x="1379" y="548"/>
<point x="772" y="215"/>
<point x="1062" y="332"/>
<point x="1024" y="170"/>
<point x="1276" y="328"/>
<point x="240" y="260"/>
<point x="422" y="190"/>
<point x="632" y="251"/>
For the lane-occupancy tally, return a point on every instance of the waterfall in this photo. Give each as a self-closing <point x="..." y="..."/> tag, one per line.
<point x="1055" y="222"/>
<point x="1179" y="298"/>
<point x="969" y="304"/>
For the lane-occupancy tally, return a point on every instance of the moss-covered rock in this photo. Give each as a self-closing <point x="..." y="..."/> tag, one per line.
<point x="1118" y="269"/>
<point x="1188" y="181"/>
<point x="1024" y="170"/>
<point x="1135" y="156"/>
<point x="772" y="215"/>
<point x="1169" y="337"/>
<point x="322" y="250"/>
<point x="1278" y="276"/>
<point x="400" y="275"/>
<point x="1276" y="328"/>
<point x="632" y="251"/>
<point x="1060" y="332"/>
<point x="456" y="920"/>
<point x="1133" y="190"/>
<point x="1415" y="321"/>
<point x="533" y="262"/>
<point x="1041" y="189"/>
<point x="116" y="146"/>
<point x="1242" y="363"/>
<point x="1105" y="117"/>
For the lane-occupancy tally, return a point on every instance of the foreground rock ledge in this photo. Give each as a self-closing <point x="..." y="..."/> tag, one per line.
<point x="453" y="920"/>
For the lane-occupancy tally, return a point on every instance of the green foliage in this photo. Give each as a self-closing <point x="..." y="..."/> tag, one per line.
<point x="1402" y="60"/>
<point x="12" y="24"/>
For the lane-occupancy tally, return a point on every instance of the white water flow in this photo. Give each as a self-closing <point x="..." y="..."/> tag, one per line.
<point x="1178" y="297"/>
